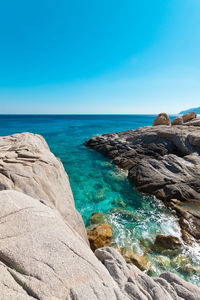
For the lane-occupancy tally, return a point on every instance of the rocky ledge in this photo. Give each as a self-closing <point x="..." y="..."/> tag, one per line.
<point x="44" y="251"/>
<point x="163" y="161"/>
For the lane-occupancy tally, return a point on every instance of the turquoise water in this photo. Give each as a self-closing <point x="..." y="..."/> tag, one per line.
<point x="97" y="185"/>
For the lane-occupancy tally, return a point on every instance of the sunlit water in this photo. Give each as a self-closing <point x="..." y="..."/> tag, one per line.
<point x="97" y="185"/>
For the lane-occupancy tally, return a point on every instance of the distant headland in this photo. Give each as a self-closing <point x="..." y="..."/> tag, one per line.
<point x="196" y="110"/>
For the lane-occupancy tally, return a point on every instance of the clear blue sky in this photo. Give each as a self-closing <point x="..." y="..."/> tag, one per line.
<point x="99" y="56"/>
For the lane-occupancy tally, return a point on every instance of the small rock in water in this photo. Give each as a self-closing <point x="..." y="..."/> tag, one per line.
<point x="133" y="258"/>
<point x="162" y="119"/>
<point x="170" y="242"/>
<point x="100" y="236"/>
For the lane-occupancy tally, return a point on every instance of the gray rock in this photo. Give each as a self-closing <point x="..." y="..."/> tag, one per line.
<point x="27" y="165"/>
<point x="161" y="160"/>
<point x="137" y="285"/>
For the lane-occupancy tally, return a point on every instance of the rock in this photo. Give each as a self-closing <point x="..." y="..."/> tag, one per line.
<point x="163" y="161"/>
<point x="161" y="119"/>
<point x="100" y="236"/>
<point x="163" y="261"/>
<point x="28" y="166"/>
<point x="96" y="219"/>
<point x="183" y="264"/>
<point x="43" y="257"/>
<point x="163" y="242"/>
<point x="193" y="122"/>
<point x="133" y="258"/>
<point x="189" y="116"/>
<point x="137" y="285"/>
<point x="177" y="121"/>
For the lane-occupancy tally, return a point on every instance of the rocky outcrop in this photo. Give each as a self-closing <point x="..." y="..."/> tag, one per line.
<point x="161" y="160"/>
<point x="27" y="165"/>
<point x="161" y="119"/>
<point x="43" y="257"/>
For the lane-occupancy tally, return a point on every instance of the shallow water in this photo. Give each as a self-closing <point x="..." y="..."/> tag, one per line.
<point x="97" y="185"/>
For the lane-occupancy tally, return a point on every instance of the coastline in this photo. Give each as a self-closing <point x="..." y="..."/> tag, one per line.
<point x="47" y="256"/>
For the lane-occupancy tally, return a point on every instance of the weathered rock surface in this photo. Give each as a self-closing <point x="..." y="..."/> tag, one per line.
<point x="43" y="257"/>
<point x="27" y="165"/>
<point x="194" y="122"/>
<point x="139" y="286"/>
<point x="100" y="236"/>
<point x="161" y="160"/>
<point x="161" y="119"/>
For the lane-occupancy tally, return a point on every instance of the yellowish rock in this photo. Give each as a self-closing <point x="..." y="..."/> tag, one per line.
<point x="177" y="121"/>
<point x="100" y="236"/>
<point x="133" y="258"/>
<point x="189" y="116"/>
<point x="162" y="119"/>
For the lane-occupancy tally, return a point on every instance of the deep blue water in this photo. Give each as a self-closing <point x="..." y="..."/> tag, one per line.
<point x="97" y="185"/>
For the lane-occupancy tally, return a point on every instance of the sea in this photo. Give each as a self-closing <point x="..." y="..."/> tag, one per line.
<point x="99" y="186"/>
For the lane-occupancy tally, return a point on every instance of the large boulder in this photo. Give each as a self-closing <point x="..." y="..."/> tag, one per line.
<point x="177" y="121"/>
<point x="27" y="165"/>
<point x="189" y="116"/>
<point x="162" y="119"/>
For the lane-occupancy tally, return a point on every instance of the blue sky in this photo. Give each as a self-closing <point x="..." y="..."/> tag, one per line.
<point x="97" y="56"/>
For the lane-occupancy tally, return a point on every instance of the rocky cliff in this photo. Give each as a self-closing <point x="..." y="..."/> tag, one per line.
<point x="44" y="252"/>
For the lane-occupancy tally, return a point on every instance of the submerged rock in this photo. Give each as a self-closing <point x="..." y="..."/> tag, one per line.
<point x="161" y="119"/>
<point x="163" y="261"/>
<point x="170" y="242"/>
<point x="100" y="236"/>
<point x="96" y="219"/>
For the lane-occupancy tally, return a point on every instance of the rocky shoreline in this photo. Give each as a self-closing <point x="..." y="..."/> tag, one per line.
<point x="163" y="161"/>
<point x="44" y="250"/>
